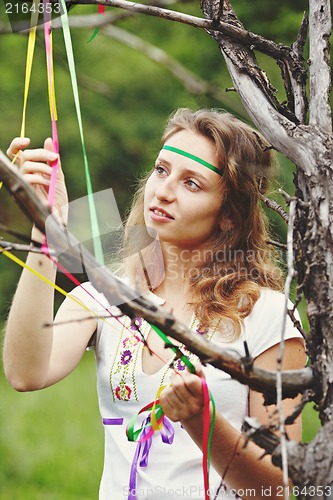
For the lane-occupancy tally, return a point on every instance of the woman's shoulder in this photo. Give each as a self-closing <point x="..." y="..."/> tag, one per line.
<point x="270" y="302"/>
<point x="89" y="296"/>
<point x="269" y="321"/>
<point x="85" y="288"/>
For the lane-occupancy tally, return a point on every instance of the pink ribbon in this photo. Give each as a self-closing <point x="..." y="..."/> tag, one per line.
<point x="50" y="74"/>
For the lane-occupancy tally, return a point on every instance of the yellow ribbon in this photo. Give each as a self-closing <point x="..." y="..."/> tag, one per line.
<point x="20" y="262"/>
<point x="28" y="67"/>
<point x="30" y="56"/>
<point x="155" y="425"/>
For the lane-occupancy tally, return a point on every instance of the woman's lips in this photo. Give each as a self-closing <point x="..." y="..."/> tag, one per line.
<point x="159" y="214"/>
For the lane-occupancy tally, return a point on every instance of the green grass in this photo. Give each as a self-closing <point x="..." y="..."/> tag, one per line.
<point x="51" y="441"/>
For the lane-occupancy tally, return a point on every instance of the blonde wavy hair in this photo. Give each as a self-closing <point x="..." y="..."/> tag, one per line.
<point x="224" y="288"/>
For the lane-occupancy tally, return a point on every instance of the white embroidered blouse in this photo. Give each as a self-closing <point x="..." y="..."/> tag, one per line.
<point x="173" y="471"/>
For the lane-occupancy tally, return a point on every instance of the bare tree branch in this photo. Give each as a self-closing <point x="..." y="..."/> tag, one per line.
<point x="275" y="206"/>
<point x="193" y="83"/>
<point x="295" y="76"/>
<point x="291" y="272"/>
<point x="297" y="324"/>
<point x="9" y="246"/>
<point x="233" y="31"/>
<point x="295" y="83"/>
<point x="254" y="89"/>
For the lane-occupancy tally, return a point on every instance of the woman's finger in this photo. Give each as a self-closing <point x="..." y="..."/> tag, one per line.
<point x="187" y="384"/>
<point x="37" y="179"/>
<point x="180" y="405"/>
<point x="39" y="155"/>
<point x="49" y="145"/>
<point x="31" y="167"/>
<point x="16" y="145"/>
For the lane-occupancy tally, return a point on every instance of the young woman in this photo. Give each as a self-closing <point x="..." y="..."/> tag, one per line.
<point x="218" y="277"/>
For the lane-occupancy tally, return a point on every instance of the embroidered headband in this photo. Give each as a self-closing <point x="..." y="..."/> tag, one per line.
<point x="193" y="157"/>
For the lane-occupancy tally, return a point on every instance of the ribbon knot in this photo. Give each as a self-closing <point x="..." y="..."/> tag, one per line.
<point x="143" y="447"/>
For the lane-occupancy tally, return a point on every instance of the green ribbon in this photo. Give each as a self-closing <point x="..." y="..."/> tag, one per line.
<point x="97" y="243"/>
<point x="192" y="369"/>
<point x="174" y="348"/>
<point x="193" y="157"/>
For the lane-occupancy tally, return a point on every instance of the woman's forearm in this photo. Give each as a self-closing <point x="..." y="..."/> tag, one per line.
<point x="240" y="464"/>
<point x="28" y="342"/>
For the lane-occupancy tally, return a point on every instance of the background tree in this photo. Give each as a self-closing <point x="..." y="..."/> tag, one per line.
<point x="302" y="133"/>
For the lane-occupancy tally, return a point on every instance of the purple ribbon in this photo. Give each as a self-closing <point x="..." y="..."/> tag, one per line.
<point x="142" y="450"/>
<point x="113" y="421"/>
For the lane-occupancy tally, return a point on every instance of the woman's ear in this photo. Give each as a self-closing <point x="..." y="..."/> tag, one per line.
<point x="225" y="225"/>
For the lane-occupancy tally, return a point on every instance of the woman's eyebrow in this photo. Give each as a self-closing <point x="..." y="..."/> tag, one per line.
<point x="162" y="160"/>
<point x="194" y="173"/>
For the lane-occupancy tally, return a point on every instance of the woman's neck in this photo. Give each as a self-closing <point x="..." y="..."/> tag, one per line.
<point x="179" y="263"/>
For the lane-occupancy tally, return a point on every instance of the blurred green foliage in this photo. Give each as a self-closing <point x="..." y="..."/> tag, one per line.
<point x="51" y="441"/>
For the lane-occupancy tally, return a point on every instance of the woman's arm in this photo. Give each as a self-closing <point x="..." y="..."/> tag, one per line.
<point x="36" y="356"/>
<point x="243" y="468"/>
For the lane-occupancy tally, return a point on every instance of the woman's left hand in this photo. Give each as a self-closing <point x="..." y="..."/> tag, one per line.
<point x="184" y="398"/>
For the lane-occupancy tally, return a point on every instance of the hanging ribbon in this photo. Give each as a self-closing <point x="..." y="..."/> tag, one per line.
<point x="52" y="99"/>
<point x="156" y="421"/>
<point x="30" y="56"/>
<point x="208" y="426"/>
<point x="97" y="243"/>
<point x="101" y="11"/>
<point x="141" y="454"/>
<point x="20" y="262"/>
<point x="28" y="67"/>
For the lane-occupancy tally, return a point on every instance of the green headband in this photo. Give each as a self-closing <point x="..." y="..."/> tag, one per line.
<point x="193" y="157"/>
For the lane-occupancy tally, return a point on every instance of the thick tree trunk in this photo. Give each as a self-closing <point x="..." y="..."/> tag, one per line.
<point x="310" y="147"/>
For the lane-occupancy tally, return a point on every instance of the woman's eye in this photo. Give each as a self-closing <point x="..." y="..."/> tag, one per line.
<point x="160" y="170"/>
<point x="193" y="185"/>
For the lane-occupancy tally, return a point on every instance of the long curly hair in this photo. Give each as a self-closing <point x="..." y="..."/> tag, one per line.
<point x="226" y="283"/>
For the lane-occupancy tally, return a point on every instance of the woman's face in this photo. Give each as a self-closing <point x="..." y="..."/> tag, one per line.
<point x="182" y="198"/>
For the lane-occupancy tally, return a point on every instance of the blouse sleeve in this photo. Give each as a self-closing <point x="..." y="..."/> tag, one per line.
<point x="95" y="302"/>
<point x="263" y="327"/>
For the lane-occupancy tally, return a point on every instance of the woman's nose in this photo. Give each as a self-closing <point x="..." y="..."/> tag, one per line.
<point x="166" y="190"/>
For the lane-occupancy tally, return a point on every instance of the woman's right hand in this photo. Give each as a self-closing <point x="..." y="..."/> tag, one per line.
<point x="36" y="166"/>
